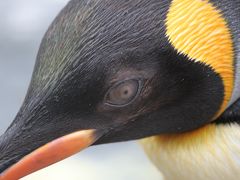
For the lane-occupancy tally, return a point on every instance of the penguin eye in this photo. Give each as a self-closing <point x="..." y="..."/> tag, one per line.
<point x="123" y="93"/>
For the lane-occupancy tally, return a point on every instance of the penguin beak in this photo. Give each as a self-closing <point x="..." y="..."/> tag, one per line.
<point x="51" y="153"/>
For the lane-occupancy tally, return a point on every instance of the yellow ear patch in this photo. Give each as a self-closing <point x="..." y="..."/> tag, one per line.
<point x="197" y="29"/>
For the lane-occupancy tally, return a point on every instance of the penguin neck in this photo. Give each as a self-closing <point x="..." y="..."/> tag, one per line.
<point x="236" y="90"/>
<point x="211" y="152"/>
<point x="231" y="115"/>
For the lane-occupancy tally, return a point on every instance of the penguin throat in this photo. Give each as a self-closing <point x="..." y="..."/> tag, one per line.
<point x="206" y="40"/>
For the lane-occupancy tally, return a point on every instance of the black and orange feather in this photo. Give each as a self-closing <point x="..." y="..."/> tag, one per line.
<point x="184" y="59"/>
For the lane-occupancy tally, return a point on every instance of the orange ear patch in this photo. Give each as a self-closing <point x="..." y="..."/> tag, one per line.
<point x="197" y="29"/>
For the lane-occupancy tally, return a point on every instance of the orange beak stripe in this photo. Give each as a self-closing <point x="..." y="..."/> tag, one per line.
<point x="50" y="153"/>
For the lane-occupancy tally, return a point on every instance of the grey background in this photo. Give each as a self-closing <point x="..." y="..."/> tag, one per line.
<point x="22" y="25"/>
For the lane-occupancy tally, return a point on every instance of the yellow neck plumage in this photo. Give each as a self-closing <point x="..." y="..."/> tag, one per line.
<point x="212" y="152"/>
<point x="198" y="30"/>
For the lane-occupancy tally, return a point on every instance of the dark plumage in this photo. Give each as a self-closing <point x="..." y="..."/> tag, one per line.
<point x="92" y="46"/>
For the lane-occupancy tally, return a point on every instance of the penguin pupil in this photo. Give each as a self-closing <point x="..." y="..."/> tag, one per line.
<point x="123" y="93"/>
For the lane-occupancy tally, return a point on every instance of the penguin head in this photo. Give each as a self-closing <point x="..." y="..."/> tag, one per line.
<point x="112" y="68"/>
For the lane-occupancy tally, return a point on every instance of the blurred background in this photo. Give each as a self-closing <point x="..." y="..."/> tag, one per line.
<point x="22" y="25"/>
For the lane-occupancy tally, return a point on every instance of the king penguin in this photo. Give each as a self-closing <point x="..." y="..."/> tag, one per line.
<point x="164" y="71"/>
